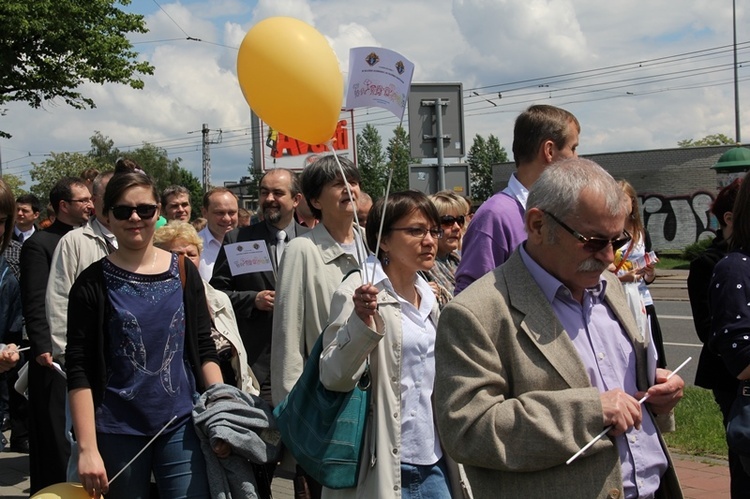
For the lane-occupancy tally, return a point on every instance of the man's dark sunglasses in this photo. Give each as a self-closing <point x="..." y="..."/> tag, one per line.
<point x="144" y="211"/>
<point x="593" y="244"/>
<point x="448" y="220"/>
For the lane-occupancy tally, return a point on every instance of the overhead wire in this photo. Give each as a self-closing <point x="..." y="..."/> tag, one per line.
<point x="510" y="94"/>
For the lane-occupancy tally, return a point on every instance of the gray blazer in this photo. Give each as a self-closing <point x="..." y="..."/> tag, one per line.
<point x="516" y="399"/>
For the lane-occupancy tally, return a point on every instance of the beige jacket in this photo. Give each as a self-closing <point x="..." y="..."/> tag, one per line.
<point x="225" y="322"/>
<point x="348" y="343"/>
<point x="311" y="270"/>
<point x="77" y="249"/>
<point x="516" y="399"/>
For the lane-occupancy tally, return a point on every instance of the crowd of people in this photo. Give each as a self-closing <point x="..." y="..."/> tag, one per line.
<point x="497" y="341"/>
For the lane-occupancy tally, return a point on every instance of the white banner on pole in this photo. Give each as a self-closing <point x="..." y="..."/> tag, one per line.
<point x="378" y="77"/>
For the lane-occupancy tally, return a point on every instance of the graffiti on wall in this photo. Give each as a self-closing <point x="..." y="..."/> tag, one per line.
<point x="677" y="221"/>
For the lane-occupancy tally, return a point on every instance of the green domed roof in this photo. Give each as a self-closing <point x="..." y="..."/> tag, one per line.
<point x="734" y="160"/>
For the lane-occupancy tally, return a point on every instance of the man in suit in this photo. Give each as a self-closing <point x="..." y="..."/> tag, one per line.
<point x="220" y="211"/>
<point x="27" y="213"/>
<point x="49" y="449"/>
<point x="537" y="357"/>
<point x="253" y="293"/>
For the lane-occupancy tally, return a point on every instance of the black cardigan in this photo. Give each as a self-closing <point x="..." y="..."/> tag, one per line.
<point x="711" y="372"/>
<point x="88" y="316"/>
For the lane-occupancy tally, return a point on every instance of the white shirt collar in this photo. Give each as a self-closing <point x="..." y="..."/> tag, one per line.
<point x="516" y="190"/>
<point x="380" y="277"/>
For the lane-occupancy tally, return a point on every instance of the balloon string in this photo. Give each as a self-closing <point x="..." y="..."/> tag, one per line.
<point x="382" y="222"/>
<point x="385" y="205"/>
<point x="144" y="448"/>
<point x="357" y="236"/>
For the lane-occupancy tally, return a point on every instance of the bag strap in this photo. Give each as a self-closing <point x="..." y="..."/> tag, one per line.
<point x="181" y="265"/>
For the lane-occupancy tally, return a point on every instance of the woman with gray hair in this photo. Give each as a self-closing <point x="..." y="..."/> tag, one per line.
<point x="181" y="238"/>
<point x="311" y="270"/>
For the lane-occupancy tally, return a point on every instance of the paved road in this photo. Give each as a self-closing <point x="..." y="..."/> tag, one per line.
<point x="680" y="340"/>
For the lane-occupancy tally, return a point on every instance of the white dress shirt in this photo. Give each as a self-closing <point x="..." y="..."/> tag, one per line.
<point x="211" y="247"/>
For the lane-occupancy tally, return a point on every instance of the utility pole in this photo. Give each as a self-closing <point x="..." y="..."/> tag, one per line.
<point x="207" y="155"/>
<point x="206" y="159"/>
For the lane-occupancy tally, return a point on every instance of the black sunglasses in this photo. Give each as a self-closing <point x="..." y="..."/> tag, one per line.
<point x="448" y="220"/>
<point x="593" y="244"/>
<point x="144" y="211"/>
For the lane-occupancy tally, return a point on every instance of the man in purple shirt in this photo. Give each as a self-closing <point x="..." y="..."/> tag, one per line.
<point x="539" y="356"/>
<point x="542" y="135"/>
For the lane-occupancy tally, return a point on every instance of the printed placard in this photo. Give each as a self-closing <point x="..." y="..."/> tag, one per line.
<point x="248" y="257"/>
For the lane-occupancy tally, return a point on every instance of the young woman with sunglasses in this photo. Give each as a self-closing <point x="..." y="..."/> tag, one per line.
<point x="392" y="325"/>
<point x="453" y="213"/>
<point x="139" y="347"/>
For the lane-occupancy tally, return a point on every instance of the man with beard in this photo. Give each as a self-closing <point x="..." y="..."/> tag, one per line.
<point x="537" y="357"/>
<point x="252" y="293"/>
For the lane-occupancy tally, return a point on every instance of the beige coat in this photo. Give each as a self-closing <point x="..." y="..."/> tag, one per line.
<point x="311" y="269"/>
<point x="225" y="323"/>
<point x="347" y="344"/>
<point x="516" y="399"/>
<point x="77" y="249"/>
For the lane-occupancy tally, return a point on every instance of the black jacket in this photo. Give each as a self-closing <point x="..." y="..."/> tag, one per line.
<point x="88" y="316"/>
<point x="36" y="258"/>
<point x="712" y="372"/>
<point x="254" y="325"/>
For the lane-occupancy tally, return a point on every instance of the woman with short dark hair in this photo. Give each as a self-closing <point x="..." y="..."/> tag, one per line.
<point x="311" y="269"/>
<point x="391" y="326"/>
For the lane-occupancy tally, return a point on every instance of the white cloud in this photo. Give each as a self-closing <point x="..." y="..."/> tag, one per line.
<point x="485" y="44"/>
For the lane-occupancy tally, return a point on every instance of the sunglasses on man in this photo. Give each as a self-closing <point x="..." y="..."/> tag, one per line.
<point x="593" y="244"/>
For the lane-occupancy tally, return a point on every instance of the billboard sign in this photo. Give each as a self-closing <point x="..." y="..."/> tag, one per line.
<point x="282" y="151"/>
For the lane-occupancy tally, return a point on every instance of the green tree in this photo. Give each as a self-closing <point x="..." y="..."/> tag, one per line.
<point x="371" y="161"/>
<point x="15" y="184"/>
<point x="65" y="164"/>
<point x="717" y="139"/>
<point x="482" y="155"/>
<point x="103" y="150"/>
<point x="399" y="158"/>
<point x="49" y="48"/>
<point x="102" y="156"/>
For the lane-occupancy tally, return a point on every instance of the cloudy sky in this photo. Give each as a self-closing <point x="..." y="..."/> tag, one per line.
<point x="640" y="74"/>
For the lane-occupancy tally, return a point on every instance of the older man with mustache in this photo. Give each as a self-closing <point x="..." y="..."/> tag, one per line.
<point x="537" y="357"/>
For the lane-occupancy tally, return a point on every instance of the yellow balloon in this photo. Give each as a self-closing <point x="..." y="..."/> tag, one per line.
<point x="290" y="76"/>
<point x="62" y="491"/>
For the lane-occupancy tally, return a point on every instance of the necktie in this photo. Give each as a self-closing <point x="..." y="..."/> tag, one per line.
<point x="280" y="244"/>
